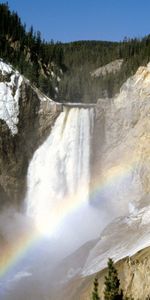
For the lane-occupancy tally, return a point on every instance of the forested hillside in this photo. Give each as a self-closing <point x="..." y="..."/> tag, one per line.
<point x="63" y="71"/>
<point x="81" y="58"/>
<point x="39" y="61"/>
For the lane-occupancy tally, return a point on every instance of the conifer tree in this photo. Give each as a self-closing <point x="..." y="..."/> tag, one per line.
<point x="112" y="284"/>
<point x="95" y="295"/>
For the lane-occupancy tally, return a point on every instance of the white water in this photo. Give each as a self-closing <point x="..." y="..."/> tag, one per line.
<point x="59" y="175"/>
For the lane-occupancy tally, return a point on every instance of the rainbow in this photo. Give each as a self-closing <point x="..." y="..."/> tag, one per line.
<point x="11" y="255"/>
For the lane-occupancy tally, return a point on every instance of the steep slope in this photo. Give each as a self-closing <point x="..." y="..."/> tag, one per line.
<point x="122" y="163"/>
<point x="133" y="273"/>
<point x="120" y="188"/>
<point x="122" y="144"/>
<point x="122" y="240"/>
<point x="26" y="116"/>
<point x="83" y="58"/>
<point x="63" y="71"/>
<point x="39" y="61"/>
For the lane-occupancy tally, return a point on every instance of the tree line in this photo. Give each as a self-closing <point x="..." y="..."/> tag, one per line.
<point x="81" y="58"/>
<point x="63" y="70"/>
<point x="39" y="61"/>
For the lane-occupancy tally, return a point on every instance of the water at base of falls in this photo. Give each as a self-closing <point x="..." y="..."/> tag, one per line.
<point x="59" y="175"/>
<point x="57" y="202"/>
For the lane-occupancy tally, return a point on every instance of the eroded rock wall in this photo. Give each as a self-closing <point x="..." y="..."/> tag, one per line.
<point x="122" y="143"/>
<point x="120" y="188"/>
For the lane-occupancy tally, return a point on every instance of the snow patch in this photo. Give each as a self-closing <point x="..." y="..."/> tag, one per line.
<point x="5" y="69"/>
<point x="9" y="97"/>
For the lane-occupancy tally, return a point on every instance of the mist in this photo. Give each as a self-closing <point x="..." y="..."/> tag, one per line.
<point x="60" y="214"/>
<point x="32" y="275"/>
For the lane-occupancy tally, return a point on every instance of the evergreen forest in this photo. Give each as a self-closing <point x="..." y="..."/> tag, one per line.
<point x="63" y="70"/>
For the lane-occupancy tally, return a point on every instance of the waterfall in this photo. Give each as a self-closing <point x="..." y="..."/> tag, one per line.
<point x="59" y="172"/>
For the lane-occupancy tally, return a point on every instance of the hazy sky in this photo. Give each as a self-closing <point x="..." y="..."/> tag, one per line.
<point x="68" y="20"/>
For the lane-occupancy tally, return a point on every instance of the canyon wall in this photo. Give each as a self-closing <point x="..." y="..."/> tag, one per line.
<point x="120" y="188"/>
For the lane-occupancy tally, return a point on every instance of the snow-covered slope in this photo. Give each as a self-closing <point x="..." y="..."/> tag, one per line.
<point x="9" y="96"/>
<point x="26" y="117"/>
<point x="10" y="89"/>
<point x="5" y="68"/>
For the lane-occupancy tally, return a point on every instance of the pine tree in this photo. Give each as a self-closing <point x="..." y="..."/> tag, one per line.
<point x="95" y="295"/>
<point x="112" y="284"/>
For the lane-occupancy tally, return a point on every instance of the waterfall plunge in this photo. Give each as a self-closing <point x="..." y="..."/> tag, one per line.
<point x="59" y="175"/>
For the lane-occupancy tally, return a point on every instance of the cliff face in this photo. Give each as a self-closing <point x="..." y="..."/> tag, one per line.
<point x="26" y="117"/>
<point x="122" y="168"/>
<point x="120" y="189"/>
<point x="122" y="143"/>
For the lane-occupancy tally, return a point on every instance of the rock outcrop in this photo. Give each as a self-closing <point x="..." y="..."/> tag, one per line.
<point x="26" y="117"/>
<point x="122" y="145"/>
<point x="112" y="67"/>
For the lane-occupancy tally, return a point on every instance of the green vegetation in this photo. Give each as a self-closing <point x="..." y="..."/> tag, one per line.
<point x="39" y="61"/>
<point x="81" y="58"/>
<point x="95" y="295"/>
<point x="112" y="284"/>
<point x="63" y="71"/>
<point x="112" y="289"/>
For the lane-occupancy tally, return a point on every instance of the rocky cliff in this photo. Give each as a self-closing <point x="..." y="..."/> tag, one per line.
<point x="120" y="188"/>
<point x="26" y="117"/>
<point x="122" y="144"/>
